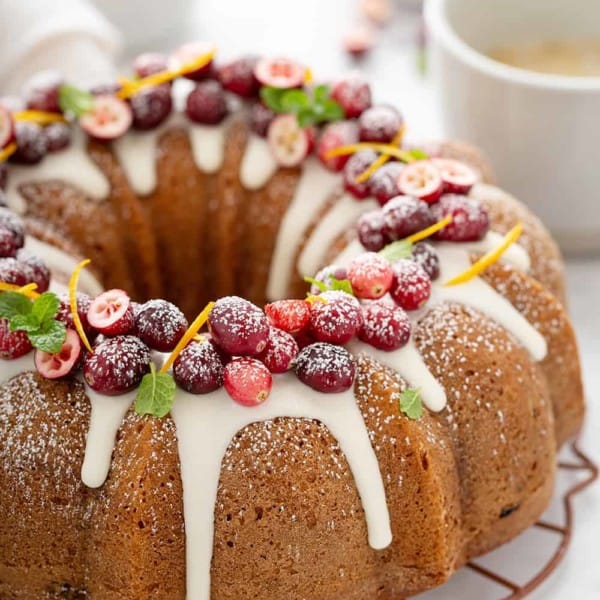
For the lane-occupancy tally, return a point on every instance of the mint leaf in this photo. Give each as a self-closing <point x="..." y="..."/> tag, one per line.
<point x="272" y="97"/>
<point x="340" y="285"/>
<point x="156" y="394"/>
<point x="322" y="286"/>
<point x="411" y="404"/>
<point x="321" y="92"/>
<point x="396" y="251"/>
<point x="45" y="306"/>
<point x="294" y="100"/>
<point x="49" y="337"/>
<point x="75" y="101"/>
<point x="29" y="323"/>
<point x="331" y="110"/>
<point x="306" y="117"/>
<point x="13" y="304"/>
<point x="418" y="154"/>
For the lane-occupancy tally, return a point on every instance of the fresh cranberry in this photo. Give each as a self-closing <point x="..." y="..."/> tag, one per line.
<point x="370" y="275"/>
<point x="458" y="178"/>
<point x="14" y="223"/>
<point x="353" y="94"/>
<point x="290" y="144"/>
<point x="150" y="63"/>
<point x="58" y="136"/>
<point x="371" y="231"/>
<point x="380" y="124"/>
<point x="247" y="381"/>
<point x="261" y="117"/>
<point x="358" y="163"/>
<point x="151" y="106"/>
<point x="206" y="103"/>
<point x="289" y="315"/>
<point x="189" y="53"/>
<point x="336" y="319"/>
<point x="411" y="287"/>
<point x="32" y="144"/>
<point x="109" y="119"/>
<point x="160" y="325"/>
<point x="117" y="365"/>
<point x="14" y="272"/>
<point x="64" y="314"/>
<point x="326" y="275"/>
<point x="425" y="255"/>
<point x="238" y="76"/>
<point x="385" y="327"/>
<point x="358" y="41"/>
<point x="199" y="368"/>
<point x="335" y="135"/>
<point x="238" y="326"/>
<point x="42" y="90"/>
<point x="8" y="247"/>
<point x="383" y="184"/>
<point x="63" y="362"/>
<point x="12" y="234"/>
<point x="13" y="344"/>
<point x="279" y="73"/>
<point x="325" y="368"/>
<point x="105" y="89"/>
<point x="111" y="313"/>
<point x="36" y="270"/>
<point x="421" y="179"/>
<point x="403" y="216"/>
<point x="280" y="352"/>
<point x="470" y="219"/>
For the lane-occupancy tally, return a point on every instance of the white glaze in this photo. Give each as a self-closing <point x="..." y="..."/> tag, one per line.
<point x="10" y="368"/>
<point x="314" y="189"/>
<point x="258" y="163"/>
<point x="515" y="255"/>
<point x="208" y="146"/>
<point x="205" y="427"/>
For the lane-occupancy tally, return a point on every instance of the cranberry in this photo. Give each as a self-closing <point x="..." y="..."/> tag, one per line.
<point x="358" y="163"/>
<point x="458" y="178"/>
<point x="385" y="327"/>
<point x="14" y="223"/>
<point x="117" y="365"/>
<point x="411" y="287"/>
<point x="42" y="91"/>
<point x="403" y="216"/>
<point x="247" y="381"/>
<point x="32" y="144"/>
<point x="326" y="274"/>
<point x="13" y="344"/>
<point x="335" y="135"/>
<point x="289" y="143"/>
<point x="150" y="63"/>
<point x="353" y="94"/>
<point x="11" y="236"/>
<point x="358" y="41"/>
<point x="151" y="106"/>
<point x="206" y="103"/>
<point x="14" y="272"/>
<point x="380" y="124"/>
<point x="421" y="179"/>
<point x="160" y="325"/>
<point x="64" y="314"/>
<point x="289" y="315"/>
<point x="199" y="368"/>
<point x="37" y="271"/>
<point x="261" y="117"/>
<point x="280" y="352"/>
<point x="370" y="275"/>
<point x="425" y="255"/>
<point x="470" y="219"/>
<point x="279" y="73"/>
<point x="61" y="364"/>
<point x="383" y="184"/>
<point x="336" y="319"/>
<point x="371" y="231"/>
<point x="189" y="53"/>
<point x="326" y="368"/>
<point x="109" y="119"/>
<point x="238" y="76"/>
<point x="111" y="313"/>
<point x="58" y="136"/>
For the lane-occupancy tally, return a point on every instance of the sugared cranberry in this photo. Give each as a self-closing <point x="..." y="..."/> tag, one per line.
<point x="411" y="287"/>
<point x="470" y="219"/>
<point x="280" y="73"/>
<point x="238" y="76"/>
<point x="280" y="352"/>
<point x="160" y="325"/>
<point x="403" y="216"/>
<point x="32" y="144"/>
<point x="421" y="179"/>
<point x="109" y="119"/>
<point x="370" y="275"/>
<point x="36" y="270"/>
<point x="326" y="275"/>
<point x="150" y="63"/>
<point x="357" y="164"/>
<point x="385" y="327"/>
<point x="206" y="103"/>
<point x="458" y="178"/>
<point x="383" y="184"/>
<point x="371" y="231"/>
<point x="64" y="314"/>
<point x="353" y="94"/>
<point x="7" y="127"/>
<point x="14" y="223"/>
<point x="325" y="368"/>
<point x="260" y="118"/>
<point x="247" y="381"/>
<point x="117" y="365"/>
<point x="58" y="136"/>
<point x="151" y="106"/>
<point x="289" y="143"/>
<point x="41" y="91"/>
<point x="335" y="135"/>
<point x="189" y="53"/>
<point x="289" y="315"/>
<point x="13" y="344"/>
<point x="379" y="124"/>
<point x="425" y="255"/>
<point x="66" y="360"/>
<point x="11" y="237"/>
<point x="238" y="326"/>
<point x="199" y="368"/>
<point x="336" y="319"/>
<point x="14" y="272"/>
<point x="111" y="313"/>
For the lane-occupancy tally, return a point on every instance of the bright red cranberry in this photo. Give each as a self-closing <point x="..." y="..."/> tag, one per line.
<point x="14" y="272"/>
<point x="14" y="223"/>
<point x="261" y="117"/>
<point x="36" y="270"/>
<point x="160" y="325"/>
<point x="13" y="344"/>
<point x="326" y="275"/>
<point x="403" y="216"/>
<point x="383" y="184"/>
<point x="421" y="179"/>
<point x="7" y="127"/>
<point x="64" y="314"/>
<point x="279" y="73"/>
<point x="289" y="143"/>
<point x="110" y="118"/>
<point x="190" y="52"/>
<point x="151" y="106"/>
<point x="470" y="219"/>
<point x="425" y="255"/>
<point x="353" y="94"/>
<point x="336" y="319"/>
<point x="32" y="144"/>
<point x="371" y="231"/>
<point x="58" y="136"/>
<point x="280" y="352"/>
<point x="247" y="381"/>
<point x="238" y="326"/>
<point x="380" y="124"/>
<point x="117" y="365"/>
<point x="385" y="327"/>
<point x="335" y="135"/>
<point x="326" y="368"/>
<point x="150" y="63"/>
<point x="458" y="178"/>
<point x="206" y="103"/>
<point x="411" y="287"/>
<point x="238" y="76"/>
<point x="289" y="315"/>
<point x="199" y="368"/>
<point x="371" y="276"/>
<point x="61" y="364"/>
<point x="357" y="164"/>
<point x="111" y="313"/>
<point x="41" y="91"/>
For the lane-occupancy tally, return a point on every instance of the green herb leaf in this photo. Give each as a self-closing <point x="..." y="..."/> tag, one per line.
<point x="29" y="323"/>
<point x="418" y="154"/>
<point x="156" y="394"/>
<point x="75" y="101"/>
<point x="411" y="404"/>
<point x="45" y="307"/>
<point x="340" y="285"/>
<point x="293" y="101"/>
<point x="322" y="286"/>
<point x="13" y="304"/>
<point x="306" y="117"/>
<point x="397" y="250"/>
<point x="49" y="337"/>
<point x="272" y="97"/>
<point x="332" y="111"/>
<point x="321" y="92"/>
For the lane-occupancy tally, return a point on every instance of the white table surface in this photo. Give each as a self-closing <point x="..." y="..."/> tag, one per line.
<point x="311" y="31"/>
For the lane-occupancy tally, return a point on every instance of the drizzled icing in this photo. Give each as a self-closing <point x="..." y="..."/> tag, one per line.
<point x="258" y="163"/>
<point x="208" y="146"/>
<point x="10" y="368"/>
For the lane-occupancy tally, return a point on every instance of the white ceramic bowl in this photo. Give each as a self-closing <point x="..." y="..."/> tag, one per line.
<point x="541" y="132"/>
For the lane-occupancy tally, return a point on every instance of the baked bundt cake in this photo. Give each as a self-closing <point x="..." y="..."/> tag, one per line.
<point x="364" y="441"/>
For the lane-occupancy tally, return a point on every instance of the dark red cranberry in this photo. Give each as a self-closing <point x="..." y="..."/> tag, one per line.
<point x="41" y="91"/>
<point x="261" y="117"/>
<point x="64" y="314"/>
<point x="380" y="124"/>
<point x="150" y="63"/>
<point x="353" y="94"/>
<point x="32" y="144"/>
<point x="403" y="216"/>
<point x="280" y="352"/>
<point x="14" y="272"/>
<point x="238" y="76"/>
<point x="470" y="219"/>
<point x="425" y="255"/>
<point x="13" y="344"/>
<point x="189" y="53"/>
<point x="357" y="164"/>
<point x="8" y="248"/>
<point x="335" y="135"/>
<point x="151" y="106"/>
<point x="411" y="287"/>
<point x="290" y="315"/>
<point x="371" y="231"/>
<point x="58" y="136"/>
<point x="105" y="89"/>
<point x="14" y="223"/>
<point x="37" y="271"/>
<point x="325" y="367"/>
<point x="199" y="368"/>
<point x="383" y="184"/>
<point x="336" y="319"/>
<point x="160" y="325"/>
<point x="247" y="381"/>
<point x="326" y="276"/>
<point x="386" y="327"/>
<point x="206" y="103"/>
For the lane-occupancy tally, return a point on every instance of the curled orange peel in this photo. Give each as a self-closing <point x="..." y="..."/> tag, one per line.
<point x="27" y="290"/>
<point x="73" y="303"/>
<point x="39" y="116"/>
<point x="382" y="159"/>
<point x="6" y="152"/>
<point x="386" y="149"/>
<point x="425" y="233"/>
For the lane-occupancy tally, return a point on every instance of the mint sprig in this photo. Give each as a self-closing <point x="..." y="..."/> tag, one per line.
<point x="310" y="108"/>
<point x="397" y="250"/>
<point x="411" y="404"/>
<point x="156" y="394"/>
<point x="75" y="101"/>
<point x="333" y="284"/>
<point x="35" y="318"/>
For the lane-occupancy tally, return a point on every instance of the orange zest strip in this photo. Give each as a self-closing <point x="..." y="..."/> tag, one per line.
<point x="382" y="159"/>
<point x="39" y="116"/>
<point x="188" y="336"/>
<point x="27" y="290"/>
<point x="6" y="152"/>
<point x="488" y="259"/>
<point x="308" y="75"/>
<point x="425" y="233"/>
<point x="312" y="298"/>
<point x="73" y="302"/>
<point x="130" y="87"/>
<point x="387" y="149"/>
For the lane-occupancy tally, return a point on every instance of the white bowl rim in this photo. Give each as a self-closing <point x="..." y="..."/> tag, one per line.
<point x="435" y="17"/>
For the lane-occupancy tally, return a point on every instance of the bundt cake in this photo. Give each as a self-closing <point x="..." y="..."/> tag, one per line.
<point x="362" y="441"/>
